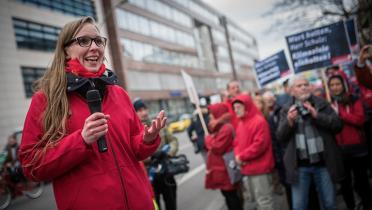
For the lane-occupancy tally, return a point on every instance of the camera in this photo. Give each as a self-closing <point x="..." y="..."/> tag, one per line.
<point x="302" y="110"/>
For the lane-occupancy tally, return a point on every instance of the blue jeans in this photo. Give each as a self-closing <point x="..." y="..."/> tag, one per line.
<point x="323" y="183"/>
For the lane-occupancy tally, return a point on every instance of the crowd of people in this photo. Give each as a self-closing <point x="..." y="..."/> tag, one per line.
<point x="298" y="142"/>
<point x="312" y="146"/>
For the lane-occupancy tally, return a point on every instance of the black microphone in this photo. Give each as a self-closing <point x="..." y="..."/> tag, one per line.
<point x="94" y="102"/>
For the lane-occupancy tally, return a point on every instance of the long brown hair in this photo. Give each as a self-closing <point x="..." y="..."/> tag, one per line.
<point x="53" y="85"/>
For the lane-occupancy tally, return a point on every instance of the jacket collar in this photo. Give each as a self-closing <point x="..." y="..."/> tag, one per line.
<point x="75" y="82"/>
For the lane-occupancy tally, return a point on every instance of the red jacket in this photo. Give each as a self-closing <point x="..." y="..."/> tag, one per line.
<point x="353" y="118"/>
<point x="83" y="178"/>
<point x="253" y="141"/>
<point x="351" y="113"/>
<point x="218" y="143"/>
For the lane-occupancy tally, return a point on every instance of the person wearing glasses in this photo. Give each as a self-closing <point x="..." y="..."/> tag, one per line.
<point x="59" y="134"/>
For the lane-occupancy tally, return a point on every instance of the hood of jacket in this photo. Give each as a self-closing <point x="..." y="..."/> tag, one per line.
<point x="345" y="83"/>
<point x="219" y="112"/>
<point x="250" y="109"/>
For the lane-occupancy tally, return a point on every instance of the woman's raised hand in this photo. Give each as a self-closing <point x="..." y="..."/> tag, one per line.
<point x="156" y="125"/>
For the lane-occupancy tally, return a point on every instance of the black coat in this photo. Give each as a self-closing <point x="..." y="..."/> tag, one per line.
<point x="328" y="124"/>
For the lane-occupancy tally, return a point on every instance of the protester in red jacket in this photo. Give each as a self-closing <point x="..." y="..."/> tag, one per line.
<point x="219" y="142"/>
<point x="253" y="150"/>
<point x="60" y="134"/>
<point x="351" y="140"/>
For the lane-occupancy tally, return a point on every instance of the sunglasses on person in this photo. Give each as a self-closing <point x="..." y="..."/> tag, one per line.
<point x="86" y="41"/>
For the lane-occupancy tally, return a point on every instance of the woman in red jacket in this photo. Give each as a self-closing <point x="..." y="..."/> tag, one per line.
<point x="60" y="132"/>
<point x="351" y="140"/>
<point x="218" y="143"/>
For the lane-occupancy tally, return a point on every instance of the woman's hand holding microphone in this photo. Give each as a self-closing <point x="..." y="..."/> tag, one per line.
<point x="95" y="126"/>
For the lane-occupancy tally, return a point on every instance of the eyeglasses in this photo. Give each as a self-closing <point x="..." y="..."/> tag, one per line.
<point x="86" y="41"/>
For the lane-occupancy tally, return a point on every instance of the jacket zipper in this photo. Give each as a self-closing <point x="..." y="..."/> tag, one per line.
<point x="120" y="176"/>
<point x="114" y="155"/>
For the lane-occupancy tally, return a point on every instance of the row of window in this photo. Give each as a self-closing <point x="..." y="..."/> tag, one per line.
<point x="162" y="81"/>
<point x="195" y="7"/>
<point x="30" y="75"/>
<point x="72" y="7"/>
<point x="244" y="47"/>
<point x="35" y="36"/>
<point x="164" y="11"/>
<point x="148" y="53"/>
<point x="154" y="81"/>
<point x="243" y="58"/>
<point x="142" y="25"/>
<point x="234" y="32"/>
<point x="174" y="106"/>
<point x="218" y="36"/>
<point x="224" y="66"/>
<point x="222" y="52"/>
<point x="137" y="80"/>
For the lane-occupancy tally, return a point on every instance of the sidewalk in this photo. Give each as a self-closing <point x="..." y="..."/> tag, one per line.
<point x="280" y="203"/>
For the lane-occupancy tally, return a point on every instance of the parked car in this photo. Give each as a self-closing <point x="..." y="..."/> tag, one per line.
<point x="184" y="121"/>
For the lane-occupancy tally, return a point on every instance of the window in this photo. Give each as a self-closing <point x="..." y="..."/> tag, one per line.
<point x="30" y="75"/>
<point x="71" y="7"/>
<point x="139" y="24"/>
<point x="35" y="36"/>
<point x="164" y="11"/>
<point x="153" y="54"/>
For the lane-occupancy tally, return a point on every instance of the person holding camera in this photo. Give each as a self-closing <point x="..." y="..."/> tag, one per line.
<point x="163" y="184"/>
<point x="307" y="127"/>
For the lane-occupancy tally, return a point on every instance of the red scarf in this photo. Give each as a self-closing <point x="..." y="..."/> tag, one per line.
<point x="75" y="67"/>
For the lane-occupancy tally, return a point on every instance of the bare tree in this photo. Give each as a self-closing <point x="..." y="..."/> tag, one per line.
<point x="295" y="15"/>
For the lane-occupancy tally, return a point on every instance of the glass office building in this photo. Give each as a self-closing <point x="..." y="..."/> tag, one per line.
<point x="160" y="38"/>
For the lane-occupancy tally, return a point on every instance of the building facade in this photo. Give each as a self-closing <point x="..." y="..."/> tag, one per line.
<point x="160" y="38"/>
<point x="150" y="43"/>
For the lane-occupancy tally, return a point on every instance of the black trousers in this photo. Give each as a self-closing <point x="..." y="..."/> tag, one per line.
<point x="167" y="188"/>
<point x="232" y="199"/>
<point x="356" y="167"/>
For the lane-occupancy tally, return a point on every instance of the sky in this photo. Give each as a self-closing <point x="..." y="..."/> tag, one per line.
<point x="248" y="14"/>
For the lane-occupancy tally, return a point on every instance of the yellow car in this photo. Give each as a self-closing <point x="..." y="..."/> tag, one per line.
<point x="178" y="126"/>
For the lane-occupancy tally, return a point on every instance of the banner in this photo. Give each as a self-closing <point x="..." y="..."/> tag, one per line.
<point x="320" y="47"/>
<point x="194" y="98"/>
<point x="271" y="68"/>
